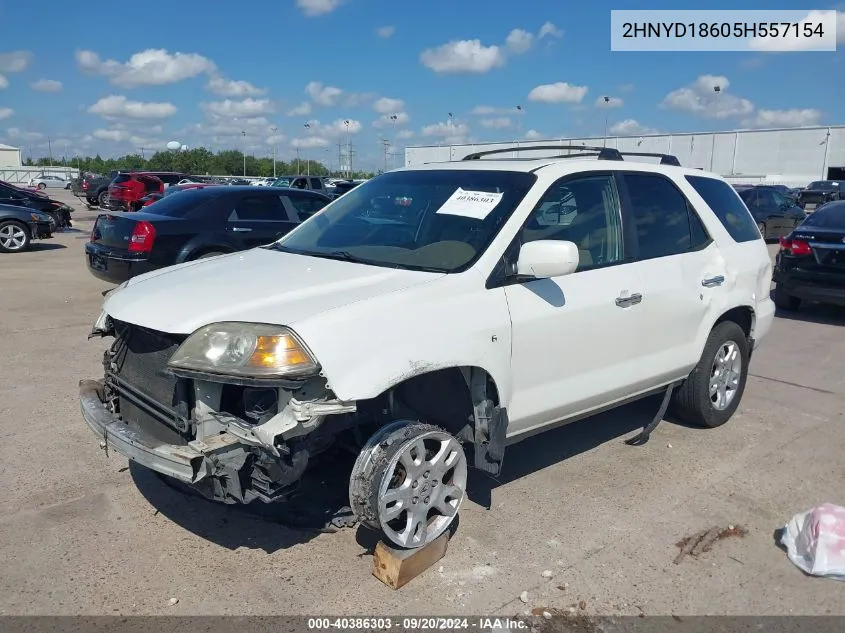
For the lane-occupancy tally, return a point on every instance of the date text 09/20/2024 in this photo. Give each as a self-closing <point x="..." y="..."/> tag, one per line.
<point x="416" y="624"/>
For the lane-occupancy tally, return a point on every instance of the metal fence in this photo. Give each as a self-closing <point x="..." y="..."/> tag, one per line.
<point x="22" y="175"/>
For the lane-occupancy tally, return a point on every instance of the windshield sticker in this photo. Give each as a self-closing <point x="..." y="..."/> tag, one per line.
<point x="471" y="204"/>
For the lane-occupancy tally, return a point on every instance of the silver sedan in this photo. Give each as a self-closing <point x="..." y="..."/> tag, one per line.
<point x="53" y="182"/>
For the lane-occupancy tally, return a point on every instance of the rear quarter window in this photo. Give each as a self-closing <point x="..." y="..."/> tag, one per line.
<point x="727" y="206"/>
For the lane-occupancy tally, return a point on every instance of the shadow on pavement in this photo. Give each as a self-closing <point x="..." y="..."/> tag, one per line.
<point x="815" y="313"/>
<point x="45" y="246"/>
<point x="324" y="490"/>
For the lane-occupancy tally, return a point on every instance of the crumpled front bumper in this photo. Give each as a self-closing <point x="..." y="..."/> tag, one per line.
<point x="180" y="462"/>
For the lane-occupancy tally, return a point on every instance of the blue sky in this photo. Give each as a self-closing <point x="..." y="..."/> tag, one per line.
<point x="114" y="77"/>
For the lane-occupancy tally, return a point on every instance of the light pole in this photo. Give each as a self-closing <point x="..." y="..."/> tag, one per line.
<point x="243" y="151"/>
<point x="274" y="129"/>
<point x="718" y="90"/>
<point x="606" y="114"/>
<point x="348" y="150"/>
<point x="519" y="121"/>
<point x="307" y="160"/>
<point x="393" y="119"/>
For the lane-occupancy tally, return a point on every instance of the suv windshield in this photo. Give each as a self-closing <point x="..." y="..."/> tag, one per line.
<point x="433" y="220"/>
<point x="822" y="184"/>
<point x="282" y="182"/>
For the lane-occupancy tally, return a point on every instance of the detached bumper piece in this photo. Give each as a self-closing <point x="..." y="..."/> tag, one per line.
<point x="180" y="462"/>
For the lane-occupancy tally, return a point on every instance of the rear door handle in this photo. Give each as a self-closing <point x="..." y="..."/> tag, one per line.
<point x="240" y="229"/>
<point x="711" y="282"/>
<point x="624" y="302"/>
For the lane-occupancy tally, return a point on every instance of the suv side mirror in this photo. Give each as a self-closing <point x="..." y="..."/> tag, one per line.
<point x="547" y="258"/>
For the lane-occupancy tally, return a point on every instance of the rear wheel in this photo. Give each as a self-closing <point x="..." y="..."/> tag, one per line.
<point x="103" y="198"/>
<point x="785" y="301"/>
<point x="14" y="237"/>
<point x="41" y="185"/>
<point x="92" y="202"/>
<point x="711" y="393"/>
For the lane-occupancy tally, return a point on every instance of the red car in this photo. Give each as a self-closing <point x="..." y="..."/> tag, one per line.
<point x="127" y="190"/>
<point x="154" y="197"/>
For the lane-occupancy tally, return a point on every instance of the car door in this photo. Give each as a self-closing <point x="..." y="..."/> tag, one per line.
<point x="256" y="220"/>
<point x="682" y="273"/>
<point x="576" y="339"/>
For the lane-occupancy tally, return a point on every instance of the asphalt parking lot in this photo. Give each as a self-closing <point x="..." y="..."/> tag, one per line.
<point x="81" y="533"/>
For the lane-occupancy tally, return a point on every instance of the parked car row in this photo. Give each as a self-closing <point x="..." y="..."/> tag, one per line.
<point x="24" y="211"/>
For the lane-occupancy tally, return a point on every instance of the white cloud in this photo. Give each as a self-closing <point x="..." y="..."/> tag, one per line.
<point x="560" y="92"/>
<point x="275" y="139"/>
<point x="313" y="8"/>
<point x="549" y="29"/>
<point x="784" y="118"/>
<point x="497" y="123"/>
<point x="384" y="120"/>
<point x="405" y="134"/>
<point x="233" y="88"/>
<point x="152" y="67"/>
<point x="484" y="110"/>
<point x="310" y="142"/>
<point x="15" y="61"/>
<point x="303" y="109"/>
<point x="519" y="41"/>
<point x="4" y="83"/>
<point x="323" y="95"/>
<point x="17" y="134"/>
<point x="700" y="99"/>
<point x="533" y="135"/>
<point x="119" y="107"/>
<point x="334" y="129"/>
<point x="792" y="41"/>
<point x="445" y="130"/>
<point x="612" y="102"/>
<point x="626" y="88"/>
<point x="222" y="127"/>
<point x="630" y="127"/>
<point x="385" y="32"/>
<point x="46" y="85"/>
<point x="386" y="105"/>
<point x="123" y="136"/>
<point x="463" y="56"/>
<point x="234" y="109"/>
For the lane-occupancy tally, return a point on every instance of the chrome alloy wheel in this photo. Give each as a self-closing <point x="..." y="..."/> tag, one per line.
<point x="724" y="375"/>
<point x="12" y="237"/>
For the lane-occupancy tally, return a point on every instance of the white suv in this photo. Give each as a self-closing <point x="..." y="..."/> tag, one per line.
<point x="427" y="319"/>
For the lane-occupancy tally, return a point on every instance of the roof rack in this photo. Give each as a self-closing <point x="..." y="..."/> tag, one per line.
<point x="603" y="153"/>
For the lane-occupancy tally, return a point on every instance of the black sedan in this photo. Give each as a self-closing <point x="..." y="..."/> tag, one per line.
<point x="36" y="201"/>
<point x="19" y="226"/>
<point x="819" y="192"/>
<point x="195" y="224"/>
<point x="811" y="263"/>
<point x="776" y="215"/>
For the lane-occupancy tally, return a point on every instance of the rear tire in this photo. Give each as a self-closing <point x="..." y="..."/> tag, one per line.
<point x="92" y="202"/>
<point x="41" y="186"/>
<point x="102" y="198"/>
<point x="785" y="301"/>
<point x="14" y="237"/>
<point x="712" y="392"/>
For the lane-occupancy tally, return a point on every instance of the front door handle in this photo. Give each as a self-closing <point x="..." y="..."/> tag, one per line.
<point x="711" y="282"/>
<point x="240" y="229"/>
<point x="624" y="302"/>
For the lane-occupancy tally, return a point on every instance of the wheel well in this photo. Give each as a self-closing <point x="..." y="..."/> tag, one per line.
<point x="743" y="316"/>
<point x="207" y="249"/>
<point x="20" y="223"/>
<point x="442" y="397"/>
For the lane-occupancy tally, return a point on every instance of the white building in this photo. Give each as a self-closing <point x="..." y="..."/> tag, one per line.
<point x="10" y="156"/>
<point x="793" y="156"/>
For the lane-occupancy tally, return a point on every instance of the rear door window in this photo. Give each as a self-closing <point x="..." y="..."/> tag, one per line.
<point x="258" y="209"/>
<point x="305" y="206"/>
<point x="316" y="183"/>
<point x="664" y="218"/>
<point x="727" y="206"/>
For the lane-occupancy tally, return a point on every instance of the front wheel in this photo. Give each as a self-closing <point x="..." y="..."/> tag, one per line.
<point x="409" y="482"/>
<point x="103" y="199"/>
<point x="711" y="393"/>
<point x="14" y="237"/>
<point x="41" y="186"/>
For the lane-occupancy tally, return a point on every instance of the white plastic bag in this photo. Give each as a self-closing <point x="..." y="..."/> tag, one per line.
<point x="815" y="541"/>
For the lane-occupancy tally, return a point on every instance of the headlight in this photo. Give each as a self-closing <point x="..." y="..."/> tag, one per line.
<point x="40" y="217"/>
<point x="245" y="349"/>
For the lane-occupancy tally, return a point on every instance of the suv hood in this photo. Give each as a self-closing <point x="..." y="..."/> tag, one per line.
<point x="259" y="286"/>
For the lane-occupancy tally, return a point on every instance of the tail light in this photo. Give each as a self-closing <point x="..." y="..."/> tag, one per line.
<point x="143" y="236"/>
<point x="798" y="248"/>
<point x="85" y="184"/>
